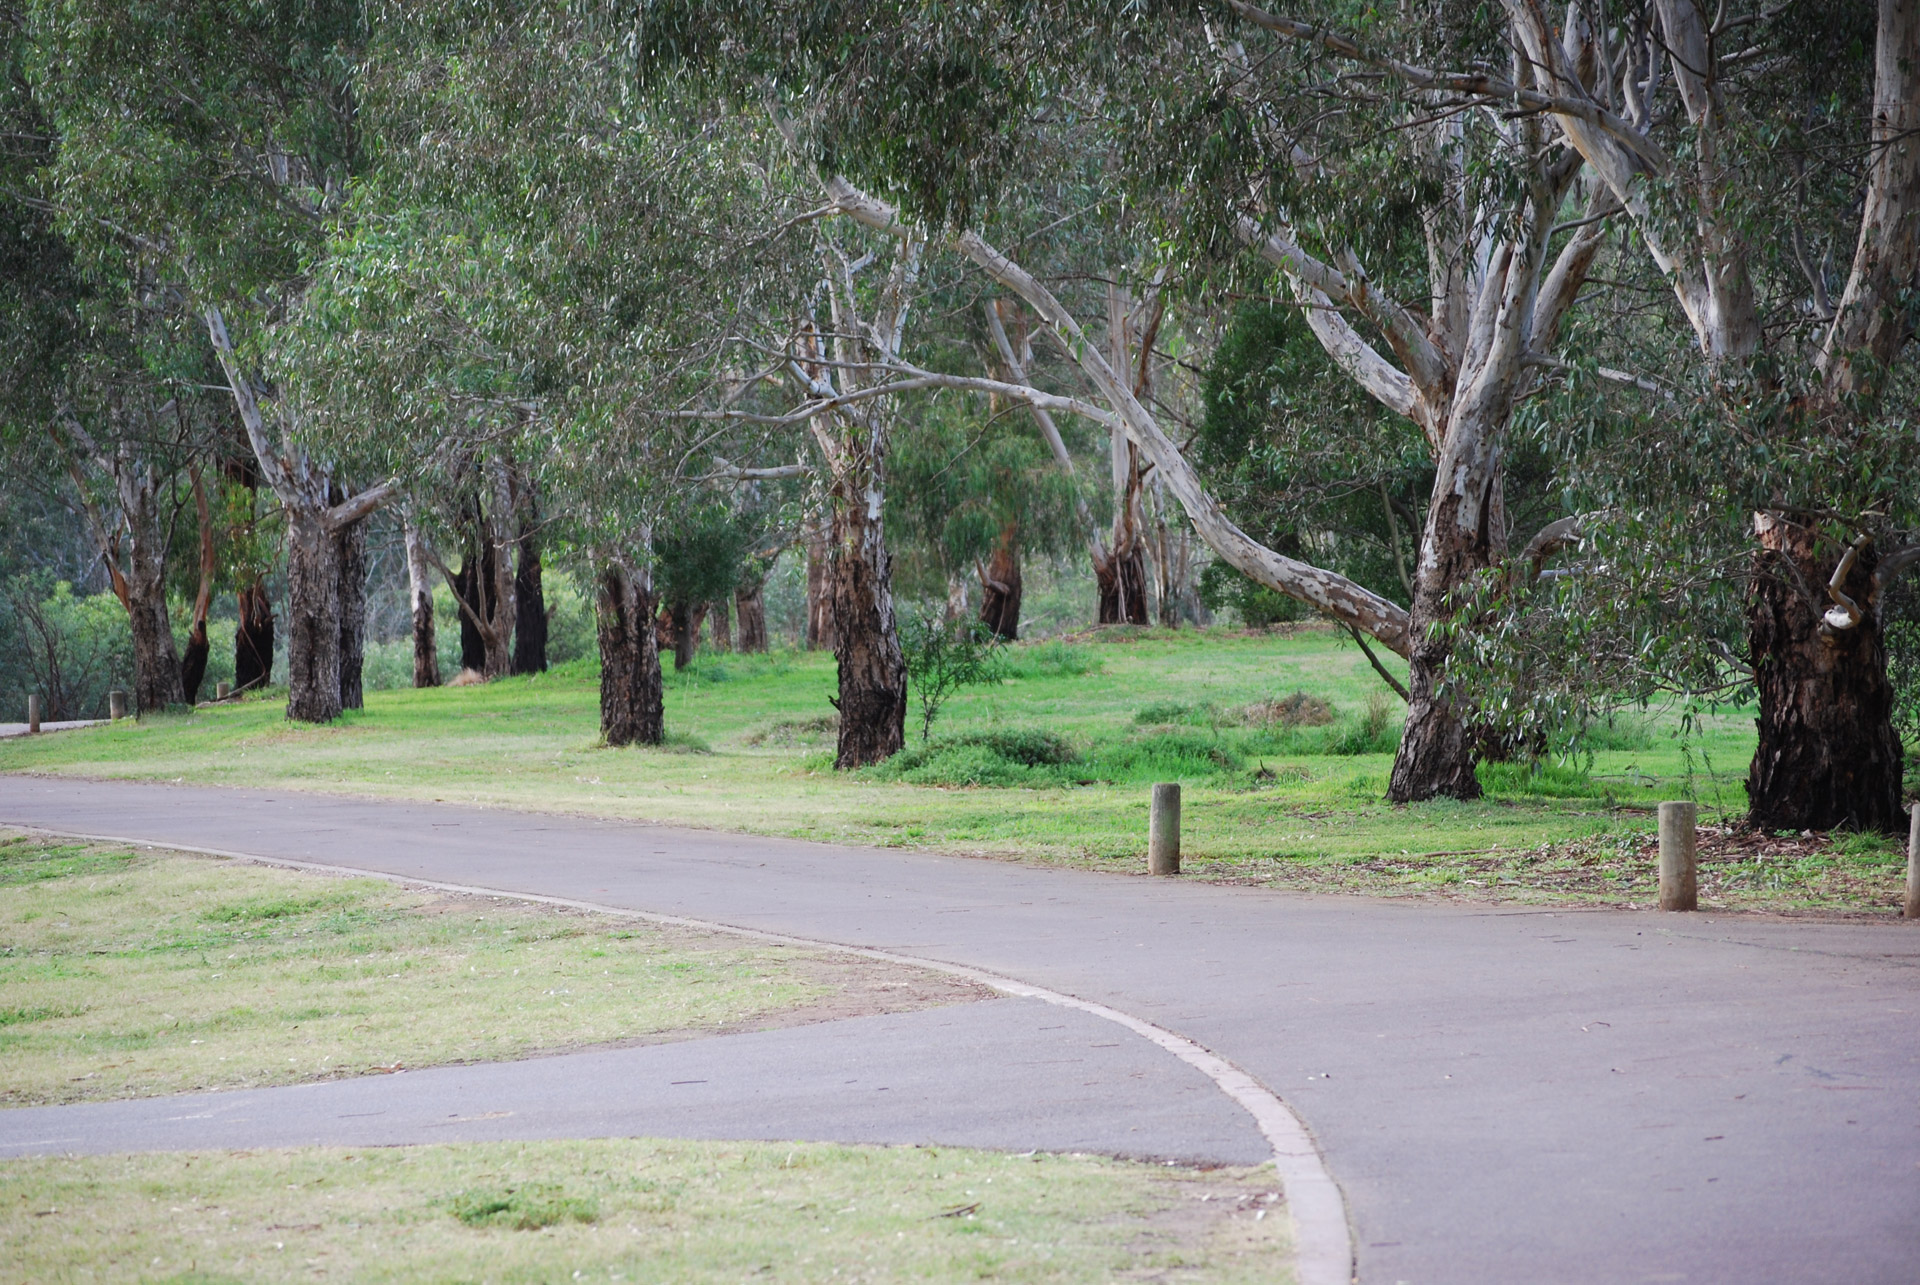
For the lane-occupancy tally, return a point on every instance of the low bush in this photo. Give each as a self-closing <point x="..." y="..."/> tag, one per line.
<point x="1054" y="659"/>
<point x="1540" y="779"/>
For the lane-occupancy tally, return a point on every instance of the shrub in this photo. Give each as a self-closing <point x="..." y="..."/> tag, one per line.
<point x="1004" y="758"/>
<point x="70" y="649"/>
<point x="1297" y="710"/>
<point x="1539" y="779"/>
<point x="1369" y="734"/>
<point x="945" y="655"/>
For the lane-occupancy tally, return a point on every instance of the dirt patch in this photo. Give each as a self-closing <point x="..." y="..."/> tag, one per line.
<point x="1741" y="869"/>
<point x="1237" y="1216"/>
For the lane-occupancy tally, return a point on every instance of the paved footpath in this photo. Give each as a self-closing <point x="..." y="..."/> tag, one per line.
<point x="1504" y="1095"/>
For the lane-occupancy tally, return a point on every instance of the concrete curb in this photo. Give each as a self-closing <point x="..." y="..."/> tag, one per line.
<point x="1322" y="1236"/>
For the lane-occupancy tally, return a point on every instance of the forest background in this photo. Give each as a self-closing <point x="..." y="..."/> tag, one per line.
<point x="1558" y="359"/>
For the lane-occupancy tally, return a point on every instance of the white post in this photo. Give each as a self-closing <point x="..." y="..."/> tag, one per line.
<point x="116" y="705"/>
<point x="221" y="691"/>
<point x="1163" y="831"/>
<point x="1913" y="864"/>
<point x="1679" y="857"/>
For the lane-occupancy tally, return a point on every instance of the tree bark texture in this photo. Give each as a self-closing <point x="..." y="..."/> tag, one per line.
<point x="686" y="633"/>
<point x="313" y="619"/>
<point x="529" y="605"/>
<point x="156" y="663"/>
<point x="1122" y="582"/>
<point x="1000" y="586"/>
<point x="719" y="617"/>
<point x="426" y="652"/>
<point x="750" y="610"/>
<point x="253" y="639"/>
<point x="632" y="707"/>
<point x="1828" y="757"/>
<point x="351" y="559"/>
<point x="469" y="587"/>
<point x="873" y="672"/>
<point x="820" y="631"/>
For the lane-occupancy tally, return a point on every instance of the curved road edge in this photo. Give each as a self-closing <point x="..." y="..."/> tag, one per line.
<point x="1322" y="1236"/>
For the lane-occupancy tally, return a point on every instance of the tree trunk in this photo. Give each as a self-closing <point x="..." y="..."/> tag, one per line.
<point x="686" y="619"/>
<point x="426" y="653"/>
<point x="1828" y="756"/>
<point x="1122" y="581"/>
<point x="632" y="708"/>
<point x="1438" y="749"/>
<point x="193" y="662"/>
<point x="313" y="619"/>
<point x="351" y="560"/>
<point x="469" y="587"/>
<point x="1000" y="586"/>
<point x="529" y="606"/>
<point x="722" y="632"/>
<point x="253" y="639"/>
<point x="873" y="673"/>
<point x="820" y="630"/>
<point x="750" y="608"/>
<point x="156" y="663"/>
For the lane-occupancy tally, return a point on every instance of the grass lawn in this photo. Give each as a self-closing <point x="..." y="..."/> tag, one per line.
<point x="635" y="1211"/>
<point x="1282" y="741"/>
<point x="128" y="973"/>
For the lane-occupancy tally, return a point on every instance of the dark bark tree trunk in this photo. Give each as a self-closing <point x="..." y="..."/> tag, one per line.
<point x="632" y="708"/>
<point x="1122" y="582"/>
<point x="470" y="587"/>
<point x="529" y="606"/>
<point x="1828" y="757"/>
<point x="351" y="560"/>
<point x="1000" y="586"/>
<point x="684" y="621"/>
<point x="193" y="661"/>
<point x="313" y="619"/>
<point x="718" y="612"/>
<point x="820" y="631"/>
<point x="750" y="608"/>
<point x="253" y="639"/>
<point x="873" y="673"/>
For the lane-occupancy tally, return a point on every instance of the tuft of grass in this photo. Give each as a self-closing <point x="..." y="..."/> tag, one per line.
<point x="695" y="1213"/>
<point x="528" y="1207"/>
<point x="1539" y="779"/>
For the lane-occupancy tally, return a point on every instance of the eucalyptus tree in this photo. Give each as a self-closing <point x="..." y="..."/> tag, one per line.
<point x="534" y="271"/>
<point x="1768" y="160"/>
<point x="221" y="141"/>
<point x="1356" y="190"/>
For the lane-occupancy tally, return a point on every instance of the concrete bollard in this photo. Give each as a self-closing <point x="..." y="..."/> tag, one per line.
<point x="1679" y="857"/>
<point x="221" y="691"/>
<point x="116" y="705"/>
<point x="1163" y="831"/>
<point x="33" y="712"/>
<point x="1913" y="865"/>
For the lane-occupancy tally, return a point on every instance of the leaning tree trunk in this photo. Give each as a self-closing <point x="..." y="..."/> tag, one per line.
<point x="529" y="605"/>
<point x="426" y="654"/>
<point x="632" y="707"/>
<point x="313" y="619"/>
<point x="1828" y="756"/>
<point x="253" y="639"/>
<point x="873" y="672"/>
<point x="750" y="611"/>
<point x="351" y="559"/>
<point x="1439" y="749"/>
<point x="1000" y="586"/>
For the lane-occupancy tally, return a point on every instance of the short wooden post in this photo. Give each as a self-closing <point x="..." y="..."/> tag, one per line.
<point x="33" y="712"/>
<point x="1679" y="857"/>
<point x="116" y="704"/>
<point x="1163" y="831"/>
<point x="221" y="691"/>
<point x="1913" y="864"/>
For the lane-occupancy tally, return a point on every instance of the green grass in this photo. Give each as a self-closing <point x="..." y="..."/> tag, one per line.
<point x="624" y="1210"/>
<point x="130" y="973"/>
<point x="1048" y="766"/>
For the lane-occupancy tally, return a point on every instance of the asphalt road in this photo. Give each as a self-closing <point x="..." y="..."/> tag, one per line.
<point x="1007" y="1074"/>
<point x="1504" y="1095"/>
